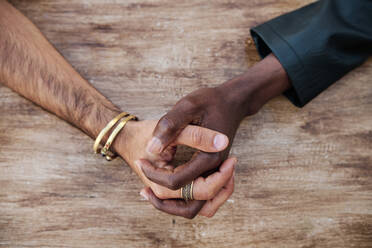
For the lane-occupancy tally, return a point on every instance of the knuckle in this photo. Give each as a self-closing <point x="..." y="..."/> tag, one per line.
<point x="197" y="136"/>
<point x="210" y="214"/>
<point x="188" y="105"/>
<point x="189" y="214"/>
<point x="173" y="183"/>
<point x="167" y="123"/>
<point x="210" y="194"/>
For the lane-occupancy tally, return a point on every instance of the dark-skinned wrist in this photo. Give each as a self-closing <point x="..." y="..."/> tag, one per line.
<point x="251" y="90"/>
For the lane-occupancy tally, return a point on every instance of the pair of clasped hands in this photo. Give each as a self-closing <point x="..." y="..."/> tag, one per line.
<point x="204" y="120"/>
<point x="207" y="120"/>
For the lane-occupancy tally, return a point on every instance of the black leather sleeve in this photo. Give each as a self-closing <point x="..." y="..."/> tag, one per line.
<point x="318" y="44"/>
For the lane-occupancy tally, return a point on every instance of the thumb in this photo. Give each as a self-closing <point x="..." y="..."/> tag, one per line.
<point x="203" y="139"/>
<point x="167" y="130"/>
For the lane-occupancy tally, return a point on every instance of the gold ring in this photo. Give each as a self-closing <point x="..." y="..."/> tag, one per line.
<point x="187" y="192"/>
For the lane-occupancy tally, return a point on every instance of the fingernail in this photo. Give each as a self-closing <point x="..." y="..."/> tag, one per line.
<point x="154" y="146"/>
<point x="220" y="141"/>
<point x="143" y="194"/>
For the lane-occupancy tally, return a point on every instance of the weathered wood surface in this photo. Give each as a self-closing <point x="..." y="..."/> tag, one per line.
<point x="304" y="178"/>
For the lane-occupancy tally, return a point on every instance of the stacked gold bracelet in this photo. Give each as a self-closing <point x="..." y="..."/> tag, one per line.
<point x="105" y="150"/>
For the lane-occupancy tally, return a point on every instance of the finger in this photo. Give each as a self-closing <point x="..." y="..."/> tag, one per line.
<point x="204" y="188"/>
<point x="175" y="207"/>
<point x="207" y="188"/>
<point x="203" y="139"/>
<point x="168" y="153"/>
<point x="211" y="207"/>
<point x="176" y="178"/>
<point x="167" y="129"/>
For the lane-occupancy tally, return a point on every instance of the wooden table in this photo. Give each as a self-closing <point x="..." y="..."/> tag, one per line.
<point x="304" y="177"/>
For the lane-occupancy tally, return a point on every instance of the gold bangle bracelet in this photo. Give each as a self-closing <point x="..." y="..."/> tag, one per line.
<point x="110" y="140"/>
<point x="106" y="129"/>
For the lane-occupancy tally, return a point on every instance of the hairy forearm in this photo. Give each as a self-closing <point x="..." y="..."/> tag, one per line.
<point x="32" y="67"/>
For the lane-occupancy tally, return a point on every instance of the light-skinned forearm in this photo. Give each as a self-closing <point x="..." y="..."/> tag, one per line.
<point x="32" y="67"/>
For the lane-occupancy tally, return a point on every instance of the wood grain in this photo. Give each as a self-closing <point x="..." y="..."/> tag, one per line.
<point x="304" y="177"/>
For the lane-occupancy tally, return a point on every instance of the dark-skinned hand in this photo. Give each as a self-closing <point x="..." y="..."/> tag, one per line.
<point x="221" y="109"/>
